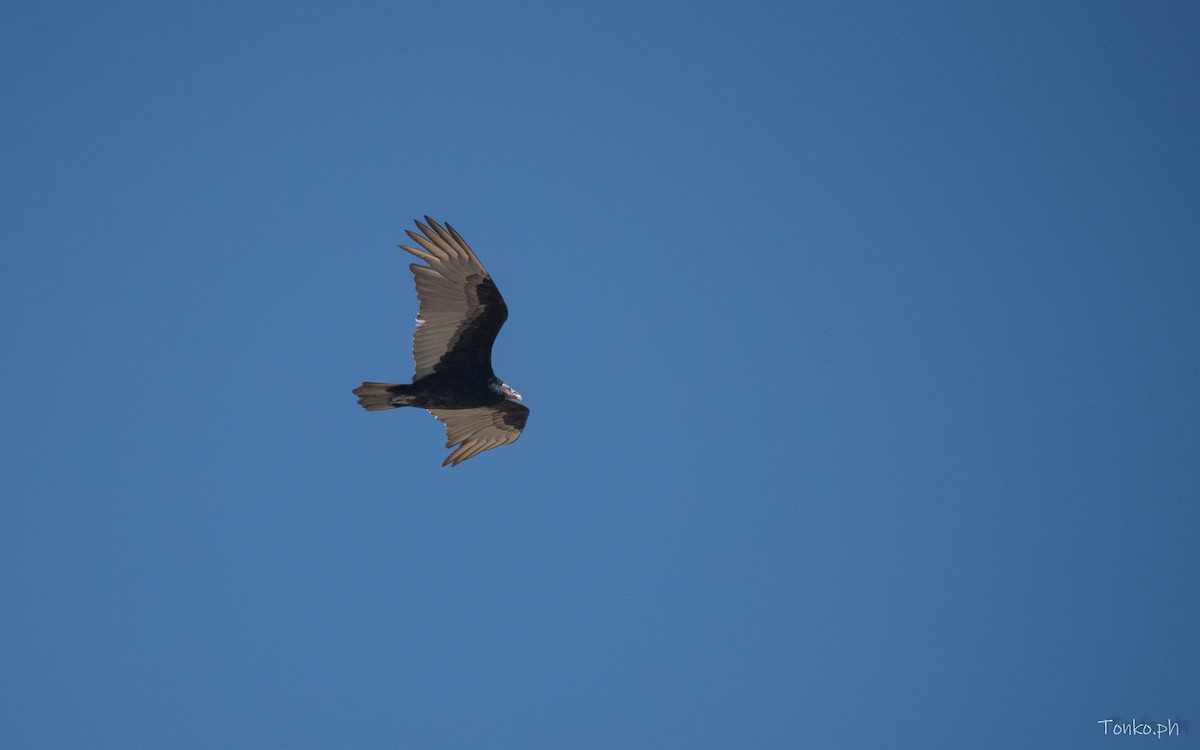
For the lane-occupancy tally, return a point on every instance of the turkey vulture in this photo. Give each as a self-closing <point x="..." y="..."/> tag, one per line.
<point x="461" y="312"/>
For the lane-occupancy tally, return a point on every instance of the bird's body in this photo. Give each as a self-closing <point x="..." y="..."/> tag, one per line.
<point x="436" y="391"/>
<point x="461" y="311"/>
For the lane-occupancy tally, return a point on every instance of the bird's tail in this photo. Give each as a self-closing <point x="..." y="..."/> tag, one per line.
<point x="376" y="396"/>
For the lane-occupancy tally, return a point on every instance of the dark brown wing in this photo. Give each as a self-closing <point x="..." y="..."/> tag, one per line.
<point x="477" y="430"/>
<point x="461" y="310"/>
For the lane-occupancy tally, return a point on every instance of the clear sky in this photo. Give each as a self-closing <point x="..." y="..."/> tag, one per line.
<point x="862" y="343"/>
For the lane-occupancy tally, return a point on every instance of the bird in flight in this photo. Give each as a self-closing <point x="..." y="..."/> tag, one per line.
<point x="461" y="312"/>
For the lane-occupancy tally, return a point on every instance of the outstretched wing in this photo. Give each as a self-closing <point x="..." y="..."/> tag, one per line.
<point x="461" y="309"/>
<point x="477" y="430"/>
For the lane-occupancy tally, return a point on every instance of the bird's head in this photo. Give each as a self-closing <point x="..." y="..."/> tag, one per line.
<point x="509" y="393"/>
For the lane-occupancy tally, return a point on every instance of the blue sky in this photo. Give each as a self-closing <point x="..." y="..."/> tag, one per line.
<point x="861" y="340"/>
